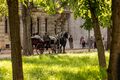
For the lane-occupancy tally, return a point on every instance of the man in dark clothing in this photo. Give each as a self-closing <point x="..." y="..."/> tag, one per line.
<point x="71" y="42"/>
<point x="47" y="41"/>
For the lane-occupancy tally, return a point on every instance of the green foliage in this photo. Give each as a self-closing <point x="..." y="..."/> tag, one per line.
<point x="101" y="8"/>
<point x="50" y="6"/>
<point x="5" y="71"/>
<point x="88" y="22"/>
<point x="105" y="19"/>
<point x="82" y="66"/>
<point x="3" y="7"/>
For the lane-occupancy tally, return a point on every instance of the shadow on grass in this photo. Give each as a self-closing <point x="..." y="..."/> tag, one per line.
<point x="66" y="60"/>
<point x="43" y="74"/>
<point x="58" y="67"/>
<point x="4" y="74"/>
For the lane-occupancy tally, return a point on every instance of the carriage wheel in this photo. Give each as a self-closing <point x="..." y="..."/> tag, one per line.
<point x="41" y="51"/>
<point x="40" y="48"/>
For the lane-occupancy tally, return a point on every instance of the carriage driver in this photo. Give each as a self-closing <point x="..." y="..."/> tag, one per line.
<point x="47" y="41"/>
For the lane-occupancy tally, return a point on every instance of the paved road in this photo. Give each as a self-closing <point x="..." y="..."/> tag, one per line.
<point x="5" y="54"/>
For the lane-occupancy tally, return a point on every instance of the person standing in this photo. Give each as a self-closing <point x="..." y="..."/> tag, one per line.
<point x="92" y="42"/>
<point x="82" y="42"/>
<point x="47" y="41"/>
<point x="71" y="42"/>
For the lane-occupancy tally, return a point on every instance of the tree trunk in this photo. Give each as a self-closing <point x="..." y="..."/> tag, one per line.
<point x="114" y="62"/>
<point x="98" y="37"/>
<point x="27" y="45"/>
<point x="108" y="38"/>
<point x="28" y="19"/>
<point x="14" y="23"/>
<point x="99" y="42"/>
<point x="88" y="41"/>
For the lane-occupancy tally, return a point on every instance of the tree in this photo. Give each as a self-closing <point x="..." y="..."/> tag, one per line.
<point x="94" y="9"/>
<point x="26" y="19"/>
<point x="105" y="21"/>
<point x="14" y="23"/>
<point x="114" y="62"/>
<point x="97" y="33"/>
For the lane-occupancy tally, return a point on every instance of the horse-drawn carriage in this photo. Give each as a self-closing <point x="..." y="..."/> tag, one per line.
<point x="37" y="43"/>
<point x="54" y="43"/>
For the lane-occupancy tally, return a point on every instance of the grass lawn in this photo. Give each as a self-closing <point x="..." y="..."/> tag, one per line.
<point x="76" y="66"/>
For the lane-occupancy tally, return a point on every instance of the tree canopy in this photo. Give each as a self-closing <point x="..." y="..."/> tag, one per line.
<point x="81" y="8"/>
<point x="3" y="7"/>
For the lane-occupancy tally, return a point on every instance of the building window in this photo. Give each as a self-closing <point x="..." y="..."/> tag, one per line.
<point x="38" y="25"/>
<point x="7" y="45"/>
<point x="46" y="24"/>
<point x="6" y="25"/>
<point x="31" y="26"/>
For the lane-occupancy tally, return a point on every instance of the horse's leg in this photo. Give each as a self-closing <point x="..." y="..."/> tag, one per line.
<point x="54" y="49"/>
<point x="37" y="52"/>
<point x="63" y="49"/>
<point x="49" y="49"/>
<point x="41" y="51"/>
<point x="60" y="49"/>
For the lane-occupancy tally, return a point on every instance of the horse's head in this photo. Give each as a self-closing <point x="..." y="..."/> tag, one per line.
<point x="65" y="34"/>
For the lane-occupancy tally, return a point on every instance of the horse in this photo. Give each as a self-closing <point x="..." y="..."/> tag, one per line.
<point x="61" y="41"/>
<point x="38" y="43"/>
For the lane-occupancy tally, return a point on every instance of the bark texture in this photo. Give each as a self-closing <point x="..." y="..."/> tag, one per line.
<point x="114" y="62"/>
<point x="108" y="38"/>
<point x="98" y="37"/>
<point x="14" y="23"/>
<point x="27" y="44"/>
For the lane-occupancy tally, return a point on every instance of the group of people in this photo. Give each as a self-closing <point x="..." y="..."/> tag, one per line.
<point x="83" y="43"/>
<point x="90" y="42"/>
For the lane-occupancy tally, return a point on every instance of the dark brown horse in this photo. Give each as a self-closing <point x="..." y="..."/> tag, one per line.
<point x="61" y="41"/>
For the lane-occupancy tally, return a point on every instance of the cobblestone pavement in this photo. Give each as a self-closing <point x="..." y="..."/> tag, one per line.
<point x="5" y="54"/>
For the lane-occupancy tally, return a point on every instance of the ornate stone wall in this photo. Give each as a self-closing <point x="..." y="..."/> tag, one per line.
<point x="4" y="37"/>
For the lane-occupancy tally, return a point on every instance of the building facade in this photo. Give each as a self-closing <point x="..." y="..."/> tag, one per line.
<point x="52" y="24"/>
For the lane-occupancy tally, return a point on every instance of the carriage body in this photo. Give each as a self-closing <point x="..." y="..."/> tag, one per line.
<point x="38" y="44"/>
